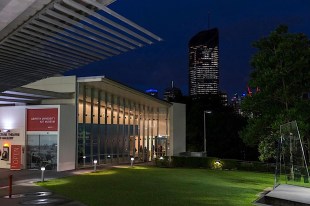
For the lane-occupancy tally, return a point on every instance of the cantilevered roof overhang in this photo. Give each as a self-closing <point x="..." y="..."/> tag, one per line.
<point x="104" y="84"/>
<point x="41" y="38"/>
<point x="24" y="95"/>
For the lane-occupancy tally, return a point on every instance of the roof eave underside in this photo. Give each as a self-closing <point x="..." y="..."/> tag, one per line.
<point x="105" y="84"/>
<point x="63" y="35"/>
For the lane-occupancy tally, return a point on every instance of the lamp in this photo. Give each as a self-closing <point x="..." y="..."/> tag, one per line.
<point x="84" y="159"/>
<point x="42" y="173"/>
<point x="204" y="130"/>
<point x="131" y="160"/>
<point x="95" y="165"/>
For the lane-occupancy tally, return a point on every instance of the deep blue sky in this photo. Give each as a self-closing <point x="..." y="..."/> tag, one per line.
<point x="240" y="22"/>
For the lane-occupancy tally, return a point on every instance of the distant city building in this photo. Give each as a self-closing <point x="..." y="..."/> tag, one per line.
<point x="172" y="93"/>
<point x="224" y="98"/>
<point x="152" y="92"/>
<point x="236" y="102"/>
<point x="204" y="63"/>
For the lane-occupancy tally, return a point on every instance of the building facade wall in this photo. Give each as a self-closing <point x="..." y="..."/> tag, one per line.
<point x="13" y="119"/>
<point x="106" y="122"/>
<point x="67" y="138"/>
<point x="38" y="145"/>
<point x="112" y="128"/>
<point x="178" y="129"/>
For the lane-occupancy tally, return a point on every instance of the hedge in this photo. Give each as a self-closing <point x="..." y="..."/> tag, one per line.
<point x="214" y="163"/>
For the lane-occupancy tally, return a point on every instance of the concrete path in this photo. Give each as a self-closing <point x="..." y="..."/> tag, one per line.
<point x="291" y="193"/>
<point x="25" y="192"/>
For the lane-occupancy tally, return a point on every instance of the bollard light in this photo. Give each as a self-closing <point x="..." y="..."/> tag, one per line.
<point x="10" y="185"/>
<point x="218" y="164"/>
<point x="131" y="160"/>
<point x="161" y="158"/>
<point x="84" y="160"/>
<point x="42" y="174"/>
<point x="95" y="165"/>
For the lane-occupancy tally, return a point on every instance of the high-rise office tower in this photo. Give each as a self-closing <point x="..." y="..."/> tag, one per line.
<point x="172" y="93"/>
<point x="204" y="63"/>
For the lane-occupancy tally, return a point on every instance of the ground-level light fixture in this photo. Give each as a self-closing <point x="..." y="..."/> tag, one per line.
<point x="218" y="164"/>
<point x="95" y="165"/>
<point x="84" y="159"/>
<point x="161" y="158"/>
<point x="204" y="131"/>
<point x="131" y="160"/>
<point x="42" y="173"/>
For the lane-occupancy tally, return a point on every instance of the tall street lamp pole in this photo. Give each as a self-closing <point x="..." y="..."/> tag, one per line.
<point x="204" y="131"/>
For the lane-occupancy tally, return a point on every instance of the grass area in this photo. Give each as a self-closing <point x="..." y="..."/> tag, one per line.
<point x="162" y="186"/>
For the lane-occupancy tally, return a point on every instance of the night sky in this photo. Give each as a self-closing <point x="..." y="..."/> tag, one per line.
<point x="240" y="22"/>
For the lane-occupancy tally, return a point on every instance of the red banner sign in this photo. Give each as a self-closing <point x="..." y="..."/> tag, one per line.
<point x="16" y="157"/>
<point x="42" y="119"/>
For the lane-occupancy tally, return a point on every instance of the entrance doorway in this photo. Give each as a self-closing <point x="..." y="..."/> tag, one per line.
<point x="160" y="147"/>
<point x="41" y="151"/>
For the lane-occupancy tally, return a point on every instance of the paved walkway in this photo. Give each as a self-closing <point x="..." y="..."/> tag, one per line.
<point x="25" y="192"/>
<point x="291" y="193"/>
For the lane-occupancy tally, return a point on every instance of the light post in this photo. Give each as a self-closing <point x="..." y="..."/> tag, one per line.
<point x="204" y="131"/>
<point x="84" y="159"/>
<point x="42" y="174"/>
<point x="95" y="165"/>
<point x="131" y="160"/>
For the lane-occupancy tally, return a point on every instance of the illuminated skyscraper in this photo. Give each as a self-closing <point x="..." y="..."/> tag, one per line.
<point x="172" y="93"/>
<point x="204" y="63"/>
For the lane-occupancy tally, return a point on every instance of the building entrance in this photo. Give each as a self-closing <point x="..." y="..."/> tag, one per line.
<point x="160" y="147"/>
<point x="41" y="151"/>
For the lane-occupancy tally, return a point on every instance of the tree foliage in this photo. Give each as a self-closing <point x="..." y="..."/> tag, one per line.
<point x="281" y="71"/>
<point x="222" y="127"/>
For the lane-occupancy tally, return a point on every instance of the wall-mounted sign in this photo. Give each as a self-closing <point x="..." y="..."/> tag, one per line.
<point x="16" y="155"/>
<point x="8" y="134"/>
<point x="42" y="119"/>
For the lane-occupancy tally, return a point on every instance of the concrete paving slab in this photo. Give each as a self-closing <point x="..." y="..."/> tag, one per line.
<point x="26" y="192"/>
<point x="291" y="193"/>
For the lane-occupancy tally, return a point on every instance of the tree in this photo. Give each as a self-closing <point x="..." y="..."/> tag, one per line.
<point x="281" y="71"/>
<point x="222" y="127"/>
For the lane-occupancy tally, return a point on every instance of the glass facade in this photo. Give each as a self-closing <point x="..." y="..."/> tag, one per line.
<point x="41" y="151"/>
<point x="113" y="128"/>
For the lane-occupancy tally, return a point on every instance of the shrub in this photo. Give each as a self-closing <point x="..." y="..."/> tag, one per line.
<point x="213" y="163"/>
<point x="193" y="162"/>
<point x="162" y="162"/>
<point x="230" y="164"/>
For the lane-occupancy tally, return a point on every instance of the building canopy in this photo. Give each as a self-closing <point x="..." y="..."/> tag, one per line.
<point x="41" y="38"/>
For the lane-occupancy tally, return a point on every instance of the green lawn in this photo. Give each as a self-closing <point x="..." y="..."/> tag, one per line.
<point x="162" y="186"/>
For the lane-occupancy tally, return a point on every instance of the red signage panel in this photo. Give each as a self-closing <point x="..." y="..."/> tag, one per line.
<point x="42" y="119"/>
<point x="16" y="157"/>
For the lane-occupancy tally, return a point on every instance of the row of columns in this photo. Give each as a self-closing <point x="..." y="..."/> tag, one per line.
<point x="140" y="117"/>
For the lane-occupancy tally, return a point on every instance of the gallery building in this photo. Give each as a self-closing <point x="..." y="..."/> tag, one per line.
<point x="64" y="123"/>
